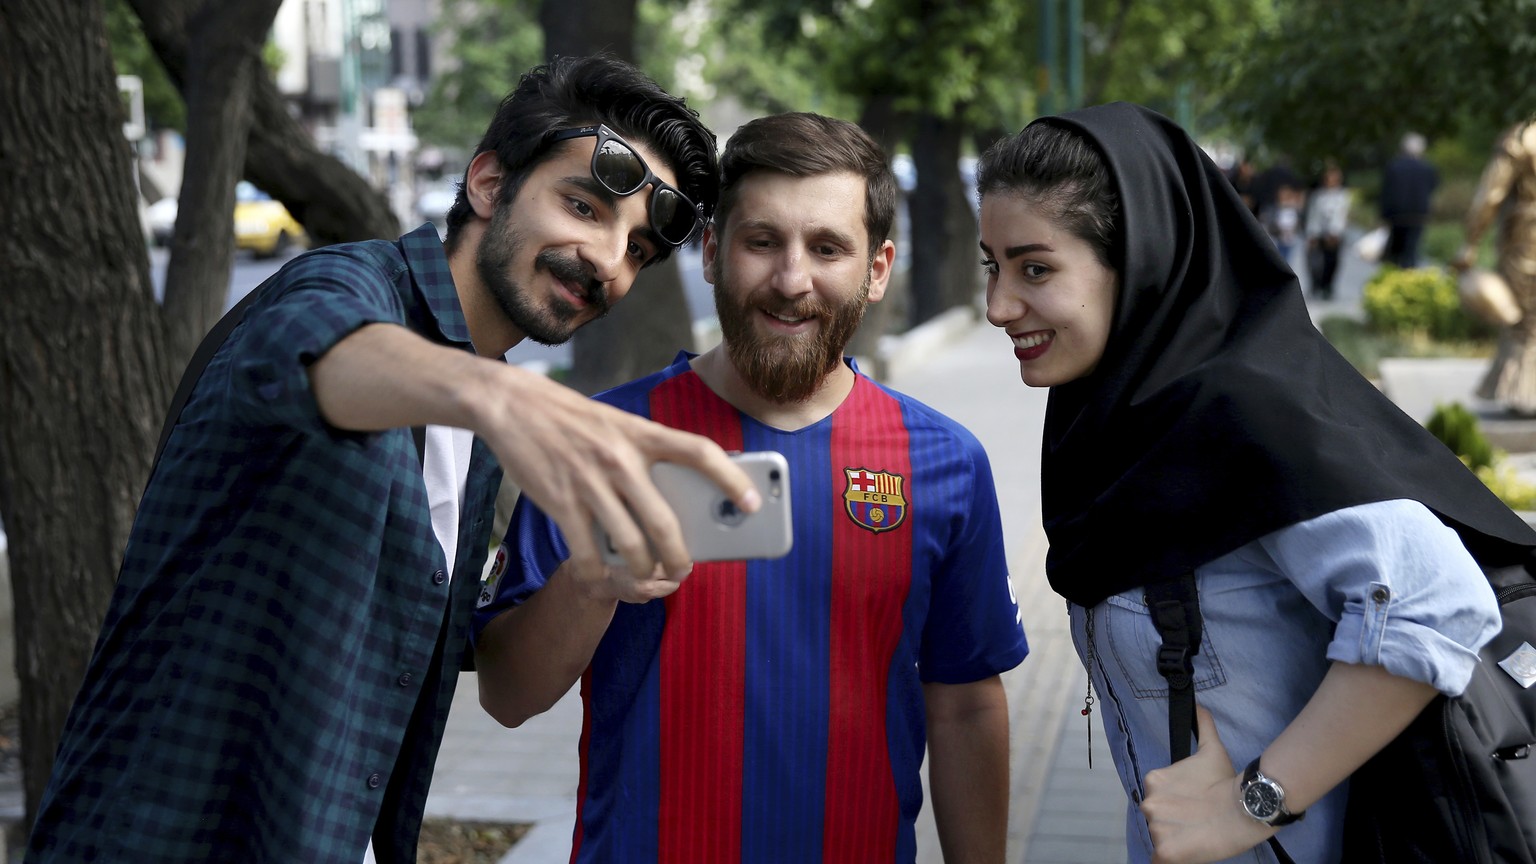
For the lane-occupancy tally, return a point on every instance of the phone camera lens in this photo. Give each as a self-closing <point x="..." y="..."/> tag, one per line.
<point x="774" y="475"/>
<point x="727" y="513"/>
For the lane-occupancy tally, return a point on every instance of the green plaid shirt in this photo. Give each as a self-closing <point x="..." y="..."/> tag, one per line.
<point x="275" y="670"/>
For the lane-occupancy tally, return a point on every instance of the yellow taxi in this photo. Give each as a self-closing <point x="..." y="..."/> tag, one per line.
<point x="263" y="225"/>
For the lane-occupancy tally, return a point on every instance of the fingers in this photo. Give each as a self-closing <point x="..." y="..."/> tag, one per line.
<point x="651" y="510"/>
<point x="706" y="457"/>
<point x="585" y="463"/>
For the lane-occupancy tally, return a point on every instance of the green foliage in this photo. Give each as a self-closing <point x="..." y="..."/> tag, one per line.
<point x="935" y="57"/>
<point x="1364" y="348"/>
<point x="1155" y="48"/>
<point x="131" y="55"/>
<point x="735" y="55"/>
<point x="1421" y="300"/>
<point x="1507" y="484"/>
<point x="1457" y="428"/>
<point x="1348" y="79"/>
<point x="494" y="42"/>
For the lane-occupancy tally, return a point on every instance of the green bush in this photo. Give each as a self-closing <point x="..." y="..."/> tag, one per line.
<point x="1421" y="300"/>
<point x="1457" y="428"/>
<point x="1505" y="483"/>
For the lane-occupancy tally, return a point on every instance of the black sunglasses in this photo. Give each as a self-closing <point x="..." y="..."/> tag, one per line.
<point x="616" y="165"/>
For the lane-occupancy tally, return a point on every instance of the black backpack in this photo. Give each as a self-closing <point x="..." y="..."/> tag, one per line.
<point x="1458" y="785"/>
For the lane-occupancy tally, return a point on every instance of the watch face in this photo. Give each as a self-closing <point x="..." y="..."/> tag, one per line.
<point x="1261" y="801"/>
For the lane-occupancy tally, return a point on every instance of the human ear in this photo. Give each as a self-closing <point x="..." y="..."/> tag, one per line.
<point x="711" y="247"/>
<point x="880" y="266"/>
<point x="482" y="184"/>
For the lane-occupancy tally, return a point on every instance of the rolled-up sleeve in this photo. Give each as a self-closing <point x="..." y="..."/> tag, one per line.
<point x="1403" y="591"/>
<point x="324" y="299"/>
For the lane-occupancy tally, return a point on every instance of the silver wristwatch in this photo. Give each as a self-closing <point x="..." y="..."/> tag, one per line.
<point x="1264" y="799"/>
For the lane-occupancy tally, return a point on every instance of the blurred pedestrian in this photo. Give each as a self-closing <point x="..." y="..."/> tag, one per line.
<point x="1242" y="179"/>
<point x="1408" y="183"/>
<point x="1507" y="192"/>
<point x="1278" y="197"/>
<point x="1200" y="432"/>
<point x="778" y="710"/>
<point x="276" y="666"/>
<point x="1327" y="217"/>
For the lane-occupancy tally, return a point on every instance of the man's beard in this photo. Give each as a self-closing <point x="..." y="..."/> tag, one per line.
<point x="499" y="248"/>
<point x="785" y="369"/>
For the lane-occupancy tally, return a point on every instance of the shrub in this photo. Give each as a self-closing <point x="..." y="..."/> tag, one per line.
<point x="1421" y="300"/>
<point x="1457" y="428"/>
<point x="1505" y="483"/>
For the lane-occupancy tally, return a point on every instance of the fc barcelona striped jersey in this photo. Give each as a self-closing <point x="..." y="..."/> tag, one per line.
<point x="771" y="711"/>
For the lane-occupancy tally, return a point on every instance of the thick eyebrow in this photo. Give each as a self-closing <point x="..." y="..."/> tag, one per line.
<point x="611" y="201"/>
<point x="587" y="183"/>
<point x="1013" y="252"/>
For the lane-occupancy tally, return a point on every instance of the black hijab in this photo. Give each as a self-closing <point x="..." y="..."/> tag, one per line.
<point x="1218" y="413"/>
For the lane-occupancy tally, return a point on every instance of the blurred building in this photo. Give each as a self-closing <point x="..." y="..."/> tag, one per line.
<point x="353" y="70"/>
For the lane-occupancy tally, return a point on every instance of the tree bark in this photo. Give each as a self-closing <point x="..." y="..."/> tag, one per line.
<point x="639" y="336"/>
<point x="332" y="201"/>
<point x="645" y="331"/>
<point x="223" y="62"/>
<point x="82" y="371"/>
<point x="944" y="234"/>
<point x="579" y="27"/>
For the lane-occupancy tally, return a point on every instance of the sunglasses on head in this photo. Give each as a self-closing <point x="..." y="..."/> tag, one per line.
<point x="617" y="166"/>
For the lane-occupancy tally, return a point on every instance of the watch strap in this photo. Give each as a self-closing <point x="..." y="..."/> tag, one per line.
<point x="1283" y="816"/>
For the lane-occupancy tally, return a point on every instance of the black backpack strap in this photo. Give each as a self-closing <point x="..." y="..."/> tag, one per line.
<point x="1175" y="608"/>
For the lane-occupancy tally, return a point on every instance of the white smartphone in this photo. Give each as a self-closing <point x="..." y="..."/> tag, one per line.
<point x="714" y="529"/>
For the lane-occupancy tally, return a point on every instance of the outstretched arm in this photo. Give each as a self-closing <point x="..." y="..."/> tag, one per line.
<point x="1192" y="806"/>
<point x="579" y="460"/>
<point x="968" y="769"/>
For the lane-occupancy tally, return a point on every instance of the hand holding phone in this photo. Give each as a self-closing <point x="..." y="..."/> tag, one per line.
<point x="714" y="528"/>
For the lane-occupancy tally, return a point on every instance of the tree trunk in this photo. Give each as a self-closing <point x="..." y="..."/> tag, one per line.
<point x="223" y="61"/>
<point x="944" y="235"/>
<point x="332" y="201"/>
<point x="639" y="336"/>
<point x="645" y="331"/>
<point x="579" y="27"/>
<point x="82" y="374"/>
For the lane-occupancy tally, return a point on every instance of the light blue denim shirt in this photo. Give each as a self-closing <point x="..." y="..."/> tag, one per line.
<point x="1383" y="584"/>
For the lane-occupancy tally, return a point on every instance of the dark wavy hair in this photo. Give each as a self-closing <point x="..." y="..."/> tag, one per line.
<point x="809" y="145"/>
<point x="1064" y="173"/>
<point x="578" y="91"/>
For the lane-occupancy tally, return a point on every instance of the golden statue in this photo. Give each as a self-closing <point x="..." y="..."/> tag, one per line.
<point x="1507" y="191"/>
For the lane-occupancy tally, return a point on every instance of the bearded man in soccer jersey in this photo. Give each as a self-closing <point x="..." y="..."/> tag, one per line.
<point x="778" y="710"/>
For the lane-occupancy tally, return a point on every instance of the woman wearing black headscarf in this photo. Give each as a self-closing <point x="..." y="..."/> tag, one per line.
<point x="1198" y="423"/>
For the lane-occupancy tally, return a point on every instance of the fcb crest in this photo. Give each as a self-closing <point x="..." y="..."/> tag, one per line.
<point x="875" y="500"/>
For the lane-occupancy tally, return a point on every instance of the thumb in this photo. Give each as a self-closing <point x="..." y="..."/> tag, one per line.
<point x="1210" y="740"/>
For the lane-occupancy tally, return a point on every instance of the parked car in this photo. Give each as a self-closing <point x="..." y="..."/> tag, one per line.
<point x="263" y="225"/>
<point x="161" y="218"/>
